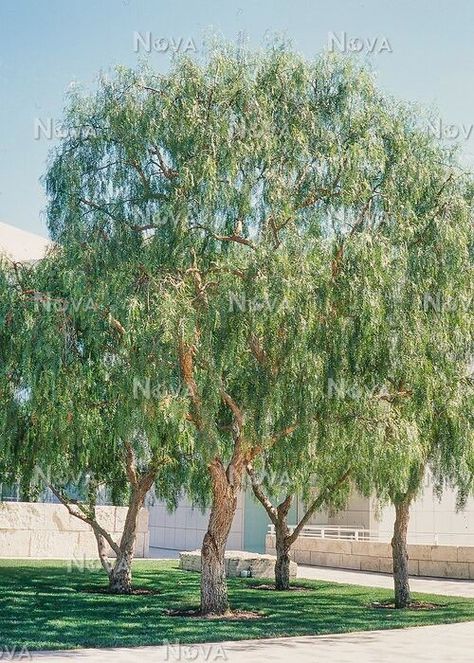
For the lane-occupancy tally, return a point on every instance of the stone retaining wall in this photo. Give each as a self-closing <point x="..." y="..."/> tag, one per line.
<point x="236" y="561"/>
<point x="30" y="529"/>
<point x="424" y="560"/>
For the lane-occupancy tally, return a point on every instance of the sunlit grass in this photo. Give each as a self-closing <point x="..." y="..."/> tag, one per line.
<point x="42" y="606"/>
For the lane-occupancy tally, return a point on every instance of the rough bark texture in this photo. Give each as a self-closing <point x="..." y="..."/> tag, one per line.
<point x="102" y="550"/>
<point x="120" y="578"/>
<point x="282" y="566"/>
<point x="225" y="486"/>
<point x="119" y="571"/>
<point x="279" y="517"/>
<point x="400" y="554"/>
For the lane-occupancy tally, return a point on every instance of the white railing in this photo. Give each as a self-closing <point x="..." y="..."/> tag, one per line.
<point x="333" y="532"/>
<point x="361" y="534"/>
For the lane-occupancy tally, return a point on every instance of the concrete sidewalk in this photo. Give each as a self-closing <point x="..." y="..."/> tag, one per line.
<point x="443" y="644"/>
<point x="442" y="586"/>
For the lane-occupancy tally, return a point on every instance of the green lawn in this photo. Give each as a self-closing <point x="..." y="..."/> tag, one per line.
<point x="42" y="606"/>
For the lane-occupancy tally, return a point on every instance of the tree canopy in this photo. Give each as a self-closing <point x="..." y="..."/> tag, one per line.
<point x="262" y="232"/>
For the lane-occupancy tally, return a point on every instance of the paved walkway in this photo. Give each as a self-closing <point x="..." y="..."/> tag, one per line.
<point x="163" y="553"/>
<point x="442" y="586"/>
<point x="443" y="644"/>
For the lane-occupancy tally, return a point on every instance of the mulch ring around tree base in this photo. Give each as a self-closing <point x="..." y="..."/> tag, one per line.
<point x="292" y="588"/>
<point x="230" y="615"/>
<point x="136" y="591"/>
<point x="413" y="605"/>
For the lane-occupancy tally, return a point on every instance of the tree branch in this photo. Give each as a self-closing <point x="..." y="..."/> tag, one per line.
<point x="317" y="502"/>
<point x="236" y="411"/>
<point x="257" y="449"/>
<point x="186" y="365"/>
<point x="168" y="172"/>
<point x="225" y="238"/>
<point x="81" y="515"/>
<point x="130" y="464"/>
<point x="260" y="495"/>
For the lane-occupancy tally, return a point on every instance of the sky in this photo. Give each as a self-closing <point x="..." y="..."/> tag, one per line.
<point x="421" y="50"/>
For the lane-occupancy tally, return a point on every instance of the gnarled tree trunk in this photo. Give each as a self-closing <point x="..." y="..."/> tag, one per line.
<point x="282" y="545"/>
<point x="284" y="538"/>
<point x="225" y="486"/>
<point x="118" y="571"/>
<point x="120" y="578"/>
<point x="400" y="554"/>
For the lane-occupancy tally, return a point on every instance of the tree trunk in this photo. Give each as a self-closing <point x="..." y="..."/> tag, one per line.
<point x="120" y="571"/>
<point x="279" y="517"/>
<point x="282" y="566"/>
<point x="103" y="552"/>
<point x="120" y="578"/>
<point x="400" y="554"/>
<point x="214" y="597"/>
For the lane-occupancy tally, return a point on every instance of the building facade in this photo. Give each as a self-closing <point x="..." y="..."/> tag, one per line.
<point x="433" y="521"/>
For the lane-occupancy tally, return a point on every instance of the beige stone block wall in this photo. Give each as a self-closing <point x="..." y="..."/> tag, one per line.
<point x="424" y="560"/>
<point x="386" y="565"/>
<point x="236" y="561"/>
<point x="466" y="554"/>
<point x="14" y="543"/>
<point x="49" y="531"/>
<point x="368" y="563"/>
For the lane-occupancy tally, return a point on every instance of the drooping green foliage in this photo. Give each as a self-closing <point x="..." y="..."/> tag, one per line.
<point x="279" y="255"/>
<point x="13" y="414"/>
<point x="320" y="206"/>
<point x="100" y="380"/>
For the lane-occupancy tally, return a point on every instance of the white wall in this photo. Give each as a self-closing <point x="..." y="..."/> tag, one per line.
<point x="431" y="521"/>
<point x="21" y="245"/>
<point x="184" y="528"/>
<point x="434" y="521"/>
<point x="357" y="514"/>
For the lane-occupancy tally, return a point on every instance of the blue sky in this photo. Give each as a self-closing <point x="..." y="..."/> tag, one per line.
<point x="422" y="51"/>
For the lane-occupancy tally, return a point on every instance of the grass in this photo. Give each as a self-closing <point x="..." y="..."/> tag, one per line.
<point x="43" y="606"/>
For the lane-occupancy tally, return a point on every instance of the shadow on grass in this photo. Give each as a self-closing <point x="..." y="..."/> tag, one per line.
<point x="43" y="606"/>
